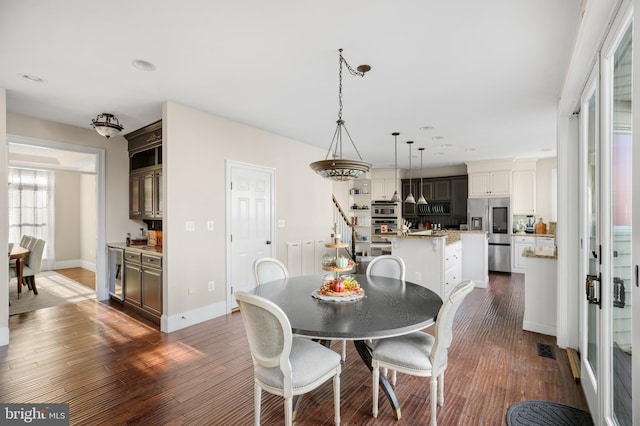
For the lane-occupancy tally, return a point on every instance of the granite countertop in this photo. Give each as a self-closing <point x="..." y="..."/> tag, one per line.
<point x="451" y="236"/>
<point x="540" y="252"/>
<point x="515" y="234"/>
<point x="157" y="250"/>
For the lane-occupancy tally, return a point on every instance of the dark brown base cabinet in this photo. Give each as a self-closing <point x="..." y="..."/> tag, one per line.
<point x="143" y="278"/>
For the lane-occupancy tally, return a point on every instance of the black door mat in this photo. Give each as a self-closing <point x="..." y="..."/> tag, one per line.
<point x="546" y="351"/>
<point x="546" y="413"/>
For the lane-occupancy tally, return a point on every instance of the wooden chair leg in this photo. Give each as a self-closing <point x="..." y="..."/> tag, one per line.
<point x="33" y="284"/>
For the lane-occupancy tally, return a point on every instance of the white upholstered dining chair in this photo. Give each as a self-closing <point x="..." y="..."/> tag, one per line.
<point x="387" y="266"/>
<point x="269" y="269"/>
<point x="282" y="364"/>
<point x="419" y="353"/>
<point x="32" y="263"/>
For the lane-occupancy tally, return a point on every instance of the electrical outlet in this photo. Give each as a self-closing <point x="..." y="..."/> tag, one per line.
<point x="212" y="285"/>
<point x="191" y="226"/>
<point x="418" y="276"/>
<point x="209" y="225"/>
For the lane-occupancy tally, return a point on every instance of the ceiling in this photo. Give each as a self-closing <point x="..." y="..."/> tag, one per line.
<point x="485" y="76"/>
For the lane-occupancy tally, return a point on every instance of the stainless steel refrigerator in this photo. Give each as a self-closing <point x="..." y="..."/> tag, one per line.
<point x="493" y="216"/>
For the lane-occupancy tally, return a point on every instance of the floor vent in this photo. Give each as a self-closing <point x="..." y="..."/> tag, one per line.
<point x="546" y="351"/>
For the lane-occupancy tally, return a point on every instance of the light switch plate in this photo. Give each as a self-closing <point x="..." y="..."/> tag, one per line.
<point x="209" y="225"/>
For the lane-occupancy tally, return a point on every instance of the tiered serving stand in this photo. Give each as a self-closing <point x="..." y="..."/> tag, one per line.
<point x="337" y="245"/>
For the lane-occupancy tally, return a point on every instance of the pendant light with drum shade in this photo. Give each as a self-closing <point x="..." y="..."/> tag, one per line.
<point x="338" y="168"/>
<point x="410" y="198"/>
<point x="421" y="201"/>
<point x="396" y="197"/>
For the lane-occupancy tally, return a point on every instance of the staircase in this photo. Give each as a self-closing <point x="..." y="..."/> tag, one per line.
<point x="345" y="228"/>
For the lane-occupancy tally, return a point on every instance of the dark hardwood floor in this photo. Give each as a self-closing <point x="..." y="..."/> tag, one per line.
<point x="113" y="369"/>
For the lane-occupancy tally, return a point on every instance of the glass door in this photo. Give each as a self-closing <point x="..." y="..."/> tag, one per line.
<point x="606" y="230"/>
<point x="620" y="273"/>
<point x="590" y="242"/>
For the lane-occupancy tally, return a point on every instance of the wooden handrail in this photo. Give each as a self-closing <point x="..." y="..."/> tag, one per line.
<point x="342" y="213"/>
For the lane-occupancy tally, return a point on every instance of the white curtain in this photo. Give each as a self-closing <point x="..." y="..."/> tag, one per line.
<point x="31" y="209"/>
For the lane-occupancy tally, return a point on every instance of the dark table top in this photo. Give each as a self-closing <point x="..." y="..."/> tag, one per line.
<point x="390" y="307"/>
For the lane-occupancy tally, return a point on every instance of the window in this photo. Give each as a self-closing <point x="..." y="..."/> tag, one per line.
<point x="31" y="209"/>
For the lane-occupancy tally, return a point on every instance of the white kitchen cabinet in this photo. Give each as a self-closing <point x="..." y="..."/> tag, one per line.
<point x="540" y="301"/>
<point x="452" y="266"/>
<point x="524" y="192"/>
<point x="545" y="242"/>
<point x="383" y="189"/>
<point x="490" y="184"/>
<point x="430" y="262"/>
<point x="520" y="243"/>
<point x="475" y="255"/>
<point x="308" y="257"/>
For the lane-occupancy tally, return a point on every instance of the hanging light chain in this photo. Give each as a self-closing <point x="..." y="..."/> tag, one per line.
<point x="421" y="151"/>
<point x="362" y="69"/>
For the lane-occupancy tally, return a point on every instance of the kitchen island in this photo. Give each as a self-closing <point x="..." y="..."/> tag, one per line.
<point x="440" y="260"/>
<point x="540" y="290"/>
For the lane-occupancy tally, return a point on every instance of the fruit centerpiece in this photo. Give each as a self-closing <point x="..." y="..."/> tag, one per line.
<point x="341" y="287"/>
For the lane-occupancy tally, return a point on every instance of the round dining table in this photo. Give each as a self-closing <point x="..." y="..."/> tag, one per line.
<point x="390" y="307"/>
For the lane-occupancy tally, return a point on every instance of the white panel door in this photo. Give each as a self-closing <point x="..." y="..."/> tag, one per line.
<point x="250" y="223"/>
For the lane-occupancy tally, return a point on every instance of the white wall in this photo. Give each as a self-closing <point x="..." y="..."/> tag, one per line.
<point x="544" y="192"/>
<point x="196" y="146"/>
<point x="67" y="218"/>
<point x="88" y="221"/>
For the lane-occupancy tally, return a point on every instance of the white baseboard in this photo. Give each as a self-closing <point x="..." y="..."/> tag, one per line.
<point x="480" y="284"/>
<point x="182" y="320"/>
<point x="77" y="263"/>
<point x="4" y="336"/>
<point x="539" y="328"/>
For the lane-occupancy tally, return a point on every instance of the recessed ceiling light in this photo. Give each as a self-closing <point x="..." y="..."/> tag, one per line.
<point x="470" y="149"/>
<point x="546" y="149"/>
<point x="33" y="78"/>
<point x="446" y="145"/>
<point x="437" y="138"/>
<point x="426" y="128"/>
<point x="143" y="65"/>
<point x="439" y="153"/>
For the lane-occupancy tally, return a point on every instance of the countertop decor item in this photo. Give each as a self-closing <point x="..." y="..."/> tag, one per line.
<point x="541" y="227"/>
<point x="107" y="125"/>
<point x="338" y="168"/>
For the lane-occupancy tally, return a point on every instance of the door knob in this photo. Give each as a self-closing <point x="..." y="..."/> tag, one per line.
<point x="268" y="242"/>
